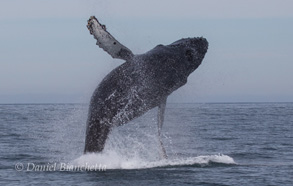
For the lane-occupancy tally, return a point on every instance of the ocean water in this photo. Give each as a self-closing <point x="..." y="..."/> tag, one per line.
<point x="206" y="144"/>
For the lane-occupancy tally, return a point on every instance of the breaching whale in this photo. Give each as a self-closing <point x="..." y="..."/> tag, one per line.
<point x="141" y="83"/>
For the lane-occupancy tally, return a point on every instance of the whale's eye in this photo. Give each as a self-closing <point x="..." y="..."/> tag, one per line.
<point x="189" y="55"/>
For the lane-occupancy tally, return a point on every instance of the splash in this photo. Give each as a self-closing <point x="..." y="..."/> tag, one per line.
<point x="130" y="147"/>
<point x="112" y="160"/>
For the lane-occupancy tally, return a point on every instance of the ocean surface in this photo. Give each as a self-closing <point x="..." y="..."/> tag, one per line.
<point x="206" y="144"/>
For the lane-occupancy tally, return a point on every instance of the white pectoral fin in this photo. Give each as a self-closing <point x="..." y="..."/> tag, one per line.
<point x="106" y="41"/>
<point x="161" y="112"/>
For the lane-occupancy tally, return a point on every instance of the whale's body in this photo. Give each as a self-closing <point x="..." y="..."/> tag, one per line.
<point x="141" y="83"/>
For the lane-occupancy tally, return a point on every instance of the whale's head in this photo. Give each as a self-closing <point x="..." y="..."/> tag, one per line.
<point x="184" y="55"/>
<point x="190" y="50"/>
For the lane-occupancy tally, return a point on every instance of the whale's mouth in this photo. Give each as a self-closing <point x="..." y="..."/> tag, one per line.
<point x="199" y="44"/>
<point x="203" y="45"/>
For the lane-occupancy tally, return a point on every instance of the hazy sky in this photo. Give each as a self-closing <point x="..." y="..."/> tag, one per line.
<point x="48" y="55"/>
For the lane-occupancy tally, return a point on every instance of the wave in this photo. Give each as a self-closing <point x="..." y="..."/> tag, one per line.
<point x="112" y="160"/>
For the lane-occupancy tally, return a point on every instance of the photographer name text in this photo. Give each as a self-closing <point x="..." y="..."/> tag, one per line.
<point x="62" y="167"/>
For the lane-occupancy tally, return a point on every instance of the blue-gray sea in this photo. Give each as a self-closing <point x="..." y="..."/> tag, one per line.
<point x="206" y="144"/>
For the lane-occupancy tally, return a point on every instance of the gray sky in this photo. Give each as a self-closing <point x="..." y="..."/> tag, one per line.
<point x="48" y="55"/>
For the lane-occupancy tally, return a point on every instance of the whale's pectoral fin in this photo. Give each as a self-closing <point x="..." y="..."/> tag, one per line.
<point x="161" y="112"/>
<point x="106" y="41"/>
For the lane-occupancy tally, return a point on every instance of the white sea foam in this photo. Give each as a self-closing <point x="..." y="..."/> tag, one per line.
<point x="112" y="160"/>
<point x="135" y="148"/>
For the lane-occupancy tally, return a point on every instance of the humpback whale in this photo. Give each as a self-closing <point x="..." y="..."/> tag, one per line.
<point x="141" y="83"/>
